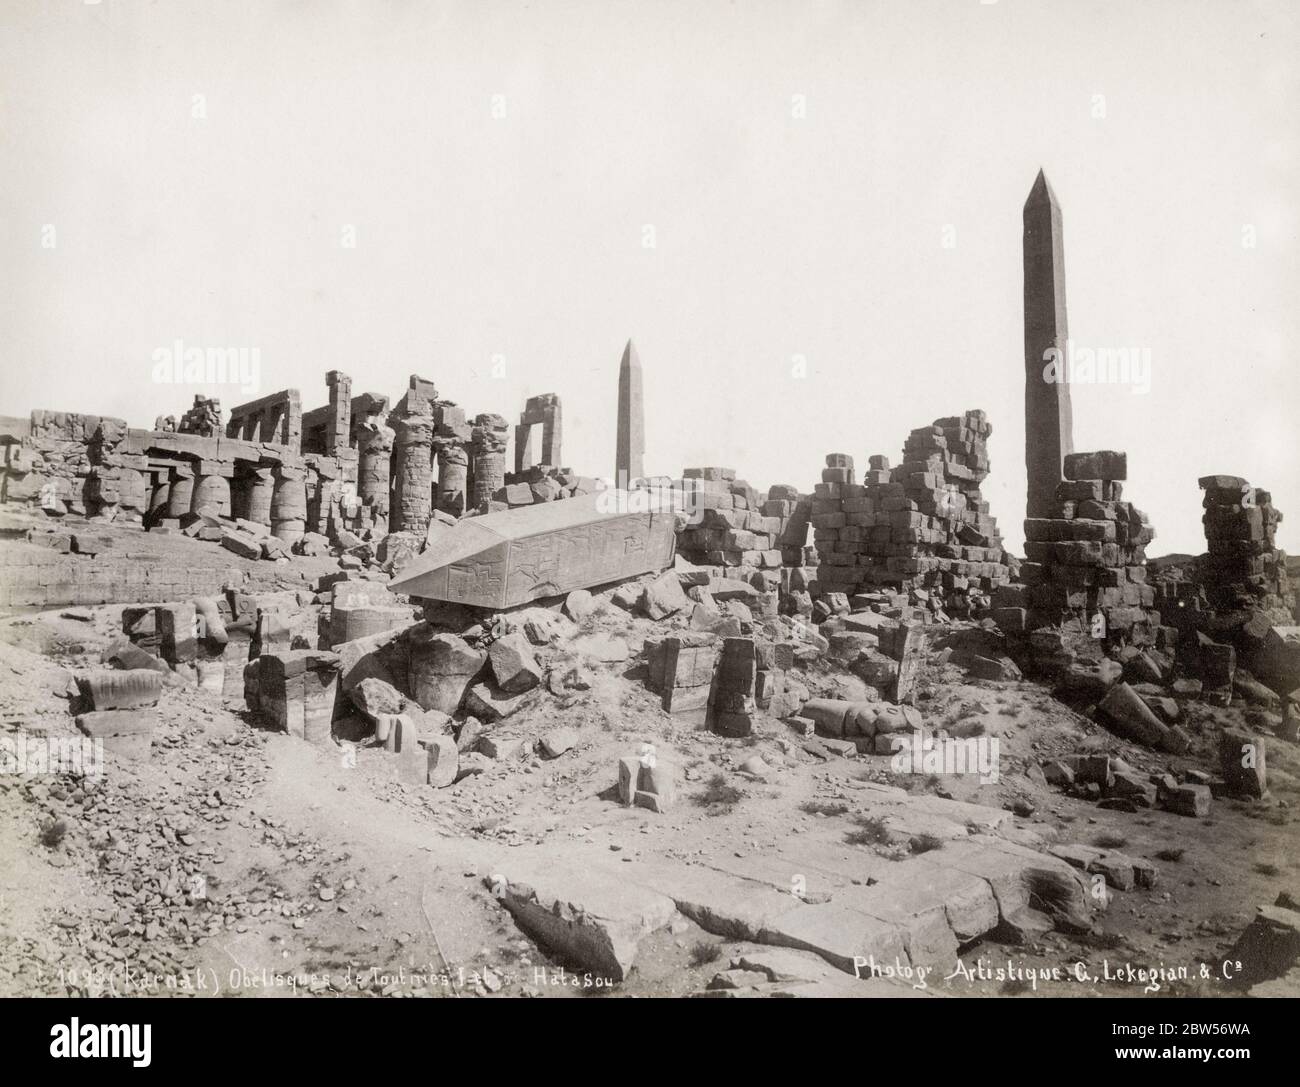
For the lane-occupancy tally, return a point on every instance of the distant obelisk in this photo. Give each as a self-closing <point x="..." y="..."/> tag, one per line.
<point x="1048" y="422"/>
<point x="629" y="460"/>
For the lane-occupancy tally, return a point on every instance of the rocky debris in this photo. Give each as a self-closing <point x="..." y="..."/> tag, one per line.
<point x="125" y="733"/>
<point x="513" y="664"/>
<point x="579" y="604"/>
<point x="867" y="727"/>
<point x="1242" y="763"/>
<point x="1122" y="871"/>
<point x="681" y="666"/>
<point x="647" y="781"/>
<point x="490" y="704"/>
<point x="1269" y="951"/>
<point x="1130" y="717"/>
<point x="176" y="625"/>
<point x="662" y="596"/>
<point x="735" y="528"/>
<point x="1187" y="799"/>
<point x="590" y="919"/>
<point x="374" y="697"/>
<point x="294" y="691"/>
<point x="110" y="690"/>
<point x="556" y="742"/>
<point x="443" y="761"/>
<point x="442" y="668"/>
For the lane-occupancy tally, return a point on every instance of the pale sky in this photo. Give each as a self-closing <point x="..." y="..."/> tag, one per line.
<point x="833" y="192"/>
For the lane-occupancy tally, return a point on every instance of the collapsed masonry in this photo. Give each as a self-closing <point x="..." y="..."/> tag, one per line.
<point x="1086" y="562"/>
<point x="921" y="527"/>
<point x="731" y="528"/>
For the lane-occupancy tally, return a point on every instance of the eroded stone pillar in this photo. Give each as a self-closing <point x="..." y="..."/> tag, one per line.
<point x="180" y="499"/>
<point x="212" y="493"/>
<point x="453" y="477"/>
<point x="375" y="467"/>
<point x="261" y="489"/>
<point x="488" y="448"/>
<point x="289" y="504"/>
<point x="159" y="495"/>
<point x="413" y="482"/>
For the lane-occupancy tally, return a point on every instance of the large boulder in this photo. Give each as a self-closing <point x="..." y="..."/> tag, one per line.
<point x="514" y="665"/>
<point x="663" y="596"/>
<point x="373" y="697"/>
<point x="442" y="668"/>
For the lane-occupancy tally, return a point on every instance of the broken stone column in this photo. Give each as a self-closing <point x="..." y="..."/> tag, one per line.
<point x="261" y="489"/>
<point x="731" y="702"/>
<point x="374" y="467"/>
<point x="159" y="496"/>
<point x="1048" y="421"/>
<point x="340" y="413"/>
<point x="295" y="691"/>
<point x="212" y="491"/>
<point x="176" y="625"/>
<point x="453" y="477"/>
<point x="684" y="672"/>
<point x="413" y="482"/>
<point x="289" y="504"/>
<point x="629" y="461"/>
<point x="180" y="497"/>
<point x="488" y="447"/>
<point x="124" y="734"/>
<point x="442" y="669"/>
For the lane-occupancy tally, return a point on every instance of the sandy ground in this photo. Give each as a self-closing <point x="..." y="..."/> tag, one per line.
<point x="240" y="862"/>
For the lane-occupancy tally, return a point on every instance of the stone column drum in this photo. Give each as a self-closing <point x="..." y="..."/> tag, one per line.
<point x="213" y="494"/>
<point x="289" y="505"/>
<point x="180" y="498"/>
<point x="453" y="476"/>
<point x="375" y="468"/>
<point x="261" y="489"/>
<point x="413" y="487"/>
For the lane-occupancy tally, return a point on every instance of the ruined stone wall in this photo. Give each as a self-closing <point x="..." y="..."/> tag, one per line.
<point x="922" y="525"/>
<point x="1086" y="563"/>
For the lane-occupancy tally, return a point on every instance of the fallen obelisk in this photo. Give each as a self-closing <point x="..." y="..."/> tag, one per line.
<point x="501" y="560"/>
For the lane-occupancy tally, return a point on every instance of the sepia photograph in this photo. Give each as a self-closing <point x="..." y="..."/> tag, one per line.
<point x="606" y="499"/>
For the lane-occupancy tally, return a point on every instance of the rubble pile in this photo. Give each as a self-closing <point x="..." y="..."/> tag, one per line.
<point x="734" y="532"/>
<point x="203" y="419"/>
<point x="540" y="483"/>
<point x="921" y="525"/>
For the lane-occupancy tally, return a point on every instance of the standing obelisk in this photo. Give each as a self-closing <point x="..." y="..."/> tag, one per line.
<point x="629" y="458"/>
<point x="1048" y="423"/>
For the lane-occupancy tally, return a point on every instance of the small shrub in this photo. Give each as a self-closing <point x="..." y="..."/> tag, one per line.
<point x="872" y="830"/>
<point x="703" y="953"/>
<point x="719" y="793"/>
<point x="823" y="807"/>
